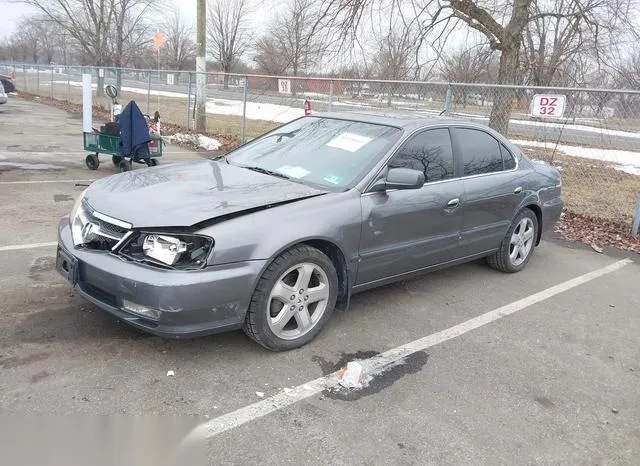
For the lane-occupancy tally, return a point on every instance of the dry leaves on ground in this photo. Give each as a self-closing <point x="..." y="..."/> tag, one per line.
<point x="599" y="232"/>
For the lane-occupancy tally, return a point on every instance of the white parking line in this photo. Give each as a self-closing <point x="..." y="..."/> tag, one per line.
<point x="18" y="247"/>
<point x="378" y="363"/>
<point x="46" y="181"/>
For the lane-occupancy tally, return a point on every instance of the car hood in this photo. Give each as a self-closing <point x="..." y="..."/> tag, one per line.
<point x="185" y="194"/>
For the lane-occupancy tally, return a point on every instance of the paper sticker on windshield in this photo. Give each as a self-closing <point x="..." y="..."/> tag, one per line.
<point x="333" y="179"/>
<point x="349" y="141"/>
<point x="293" y="172"/>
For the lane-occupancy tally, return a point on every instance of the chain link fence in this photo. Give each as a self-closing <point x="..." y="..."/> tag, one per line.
<point x="595" y="143"/>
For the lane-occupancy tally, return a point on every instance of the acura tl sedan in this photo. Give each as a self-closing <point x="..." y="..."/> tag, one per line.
<point x="277" y="234"/>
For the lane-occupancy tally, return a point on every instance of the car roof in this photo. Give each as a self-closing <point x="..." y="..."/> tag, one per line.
<point x="405" y="120"/>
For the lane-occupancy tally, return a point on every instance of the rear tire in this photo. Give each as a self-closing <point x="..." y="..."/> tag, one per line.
<point x="518" y="245"/>
<point x="124" y="165"/>
<point x="116" y="159"/>
<point x="92" y="161"/>
<point x="152" y="163"/>
<point x="293" y="300"/>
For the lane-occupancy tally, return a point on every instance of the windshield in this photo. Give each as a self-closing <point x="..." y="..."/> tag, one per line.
<point x="320" y="151"/>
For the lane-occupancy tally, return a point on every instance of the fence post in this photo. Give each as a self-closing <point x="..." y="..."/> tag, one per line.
<point x="330" y="96"/>
<point x="244" y="108"/>
<point x="636" y="222"/>
<point x="38" y="80"/>
<point x="189" y="103"/>
<point x="68" y="84"/>
<point x="51" y="83"/>
<point x="24" y="77"/>
<point x="447" y="101"/>
<point x="149" y="93"/>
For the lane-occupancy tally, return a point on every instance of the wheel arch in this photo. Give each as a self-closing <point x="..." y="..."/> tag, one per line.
<point x="537" y="210"/>
<point x="337" y="256"/>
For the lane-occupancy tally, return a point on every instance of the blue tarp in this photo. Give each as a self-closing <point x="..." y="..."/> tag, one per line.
<point x="134" y="132"/>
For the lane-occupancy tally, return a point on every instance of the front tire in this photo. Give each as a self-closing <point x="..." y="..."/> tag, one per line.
<point x="518" y="245"/>
<point x="293" y="300"/>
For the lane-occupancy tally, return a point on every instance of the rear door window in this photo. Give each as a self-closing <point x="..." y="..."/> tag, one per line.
<point x="480" y="152"/>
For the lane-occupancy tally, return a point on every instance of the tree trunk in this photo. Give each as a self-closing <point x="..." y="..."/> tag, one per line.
<point x="225" y="82"/>
<point x="503" y="97"/>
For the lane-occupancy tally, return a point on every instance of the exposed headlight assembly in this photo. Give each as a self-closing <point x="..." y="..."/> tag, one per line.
<point x="78" y="220"/>
<point x="166" y="249"/>
<point x="178" y="251"/>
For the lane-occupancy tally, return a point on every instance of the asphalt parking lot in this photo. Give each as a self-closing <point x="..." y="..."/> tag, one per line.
<point x="533" y="368"/>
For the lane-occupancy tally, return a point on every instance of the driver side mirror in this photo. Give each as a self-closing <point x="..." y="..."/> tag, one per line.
<point x="400" y="178"/>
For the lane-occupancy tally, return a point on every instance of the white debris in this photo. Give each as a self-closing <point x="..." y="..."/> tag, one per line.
<point x="197" y="140"/>
<point x="260" y="394"/>
<point x="597" y="248"/>
<point x="288" y="390"/>
<point x="208" y="143"/>
<point x="351" y="376"/>
<point x="170" y="373"/>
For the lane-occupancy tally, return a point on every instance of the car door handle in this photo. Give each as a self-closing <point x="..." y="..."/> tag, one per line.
<point x="518" y="190"/>
<point x="453" y="203"/>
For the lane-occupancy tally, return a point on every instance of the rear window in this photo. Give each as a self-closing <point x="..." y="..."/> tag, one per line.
<point x="508" y="160"/>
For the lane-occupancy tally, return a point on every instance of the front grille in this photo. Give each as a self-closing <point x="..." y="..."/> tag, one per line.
<point x="105" y="229"/>
<point x="96" y="232"/>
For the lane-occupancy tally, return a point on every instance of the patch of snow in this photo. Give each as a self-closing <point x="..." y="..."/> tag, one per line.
<point x="255" y="110"/>
<point x="626" y="161"/>
<point x="198" y="140"/>
<point x="590" y="129"/>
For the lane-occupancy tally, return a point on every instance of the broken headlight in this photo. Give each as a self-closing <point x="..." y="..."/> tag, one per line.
<point x="173" y="250"/>
<point x="77" y="220"/>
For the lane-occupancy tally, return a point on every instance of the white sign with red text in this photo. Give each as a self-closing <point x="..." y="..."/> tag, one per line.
<point x="548" y="106"/>
<point x="284" y="86"/>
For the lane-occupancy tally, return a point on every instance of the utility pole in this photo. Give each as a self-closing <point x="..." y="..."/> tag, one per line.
<point x="201" y="67"/>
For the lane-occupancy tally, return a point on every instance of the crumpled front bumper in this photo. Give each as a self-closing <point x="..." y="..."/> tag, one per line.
<point x="189" y="303"/>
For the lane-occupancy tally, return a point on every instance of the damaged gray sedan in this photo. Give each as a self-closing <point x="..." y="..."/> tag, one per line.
<point x="283" y="230"/>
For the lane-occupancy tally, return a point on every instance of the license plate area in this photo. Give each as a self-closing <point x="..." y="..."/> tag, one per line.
<point x="67" y="266"/>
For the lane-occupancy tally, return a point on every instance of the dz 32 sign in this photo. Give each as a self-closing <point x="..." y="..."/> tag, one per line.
<point x="548" y="106"/>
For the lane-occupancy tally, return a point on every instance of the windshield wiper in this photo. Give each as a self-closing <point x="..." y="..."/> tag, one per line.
<point x="267" y="172"/>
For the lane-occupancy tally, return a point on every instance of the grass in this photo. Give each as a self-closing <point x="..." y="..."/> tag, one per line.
<point x="592" y="187"/>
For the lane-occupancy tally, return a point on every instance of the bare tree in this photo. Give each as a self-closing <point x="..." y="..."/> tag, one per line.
<point x="87" y="21"/>
<point x="555" y="44"/>
<point x="290" y="44"/>
<point x="106" y="30"/>
<point x="466" y="65"/>
<point x="502" y="24"/>
<point x="395" y="58"/>
<point x="227" y="33"/>
<point x="181" y="48"/>
<point x="29" y="38"/>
